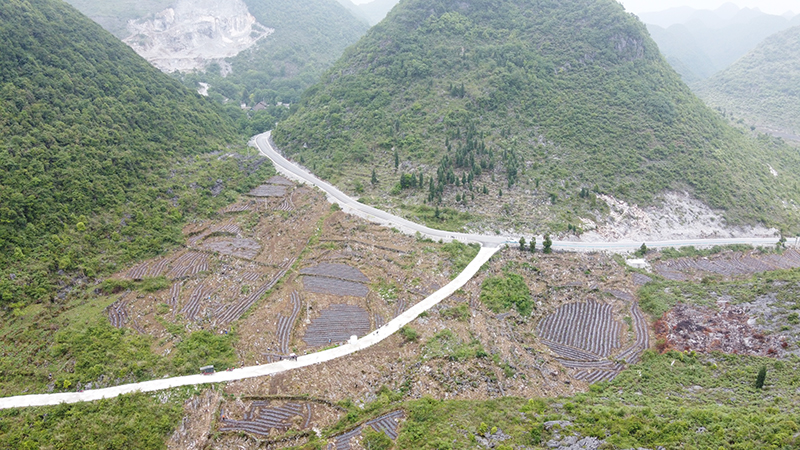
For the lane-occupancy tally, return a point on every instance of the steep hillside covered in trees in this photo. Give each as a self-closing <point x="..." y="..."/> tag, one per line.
<point x="763" y="88"/>
<point x="101" y="155"/>
<point x="557" y="100"/>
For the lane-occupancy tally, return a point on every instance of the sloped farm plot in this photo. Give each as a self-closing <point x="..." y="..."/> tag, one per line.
<point x="336" y="324"/>
<point x="585" y="335"/>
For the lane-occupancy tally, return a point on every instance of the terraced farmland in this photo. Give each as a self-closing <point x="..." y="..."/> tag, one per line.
<point x="334" y="270"/>
<point x="632" y="354"/>
<point x="388" y="424"/>
<point x="334" y="286"/>
<point x="236" y="247"/>
<point x="228" y="227"/>
<point x="117" y="313"/>
<point x="585" y="335"/>
<point x="285" y="323"/>
<point x="589" y="327"/>
<point x="189" y="264"/>
<point x="238" y="207"/>
<point x="287" y="205"/>
<point x="335" y="279"/>
<point x="262" y="420"/>
<point x="337" y="324"/>
<point x="640" y="280"/>
<point x="231" y="312"/>
<point x="192" y="307"/>
<point x="727" y="265"/>
<point x="174" y="296"/>
<point x="148" y="269"/>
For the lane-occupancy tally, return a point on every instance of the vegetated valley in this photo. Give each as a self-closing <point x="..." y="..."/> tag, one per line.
<point x="141" y="239"/>
<point x="760" y="90"/>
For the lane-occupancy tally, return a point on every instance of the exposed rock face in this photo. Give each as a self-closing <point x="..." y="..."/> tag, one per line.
<point x="195" y="33"/>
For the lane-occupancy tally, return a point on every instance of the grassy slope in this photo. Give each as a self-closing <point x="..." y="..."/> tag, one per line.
<point x="663" y="401"/>
<point x="556" y="97"/>
<point x="138" y="421"/>
<point x="764" y="86"/>
<point x="309" y="36"/>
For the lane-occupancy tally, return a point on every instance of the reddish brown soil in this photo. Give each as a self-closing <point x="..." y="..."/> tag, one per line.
<point x="704" y="329"/>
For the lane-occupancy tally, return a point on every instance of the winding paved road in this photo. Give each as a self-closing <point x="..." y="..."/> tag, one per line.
<point x="350" y="205"/>
<point x="490" y="246"/>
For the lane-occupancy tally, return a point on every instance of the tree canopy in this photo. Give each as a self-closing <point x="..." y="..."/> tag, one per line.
<point x="98" y="151"/>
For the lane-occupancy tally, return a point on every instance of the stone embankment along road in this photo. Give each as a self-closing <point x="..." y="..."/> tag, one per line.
<point x="350" y="205"/>
<point x="265" y="369"/>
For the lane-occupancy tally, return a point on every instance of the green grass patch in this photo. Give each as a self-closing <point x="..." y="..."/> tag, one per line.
<point x="674" y="400"/>
<point x="140" y="421"/>
<point x="460" y="312"/>
<point x="79" y="346"/>
<point x="691" y="251"/>
<point x="657" y="297"/>
<point x="505" y="292"/>
<point x="446" y="344"/>
<point x="409" y="334"/>
<point x="460" y="255"/>
<point x="440" y="218"/>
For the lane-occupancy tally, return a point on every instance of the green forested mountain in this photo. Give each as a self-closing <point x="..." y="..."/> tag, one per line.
<point x="763" y="88"/>
<point x="515" y="104"/>
<point x="100" y="153"/>
<point x="309" y="36"/>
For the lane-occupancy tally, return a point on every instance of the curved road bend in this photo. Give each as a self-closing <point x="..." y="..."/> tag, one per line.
<point x="490" y="245"/>
<point x="265" y="369"/>
<point x="350" y="205"/>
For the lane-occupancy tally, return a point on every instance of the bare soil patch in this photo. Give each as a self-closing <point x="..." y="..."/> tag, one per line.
<point x="268" y="190"/>
<point x="727" y="329"/>
<point x="239" y="248"/>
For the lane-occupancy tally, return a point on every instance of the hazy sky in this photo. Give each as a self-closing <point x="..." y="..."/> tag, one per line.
<point x="767" y="6"/>
<point x="642" y="6"/>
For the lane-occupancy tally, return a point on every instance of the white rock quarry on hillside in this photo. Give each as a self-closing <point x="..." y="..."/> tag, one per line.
<point x="679" y="216"/>
<point x="194" y="33"/>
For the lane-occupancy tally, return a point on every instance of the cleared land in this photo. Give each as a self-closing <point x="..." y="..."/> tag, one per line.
<point x="729" y="264"/>
<point x="336" y="324"/>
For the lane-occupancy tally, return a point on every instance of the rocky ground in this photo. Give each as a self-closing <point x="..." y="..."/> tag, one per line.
<point x="679" y="216"/>
<point x="194" y="33"/>
<point x="741" y="315"/>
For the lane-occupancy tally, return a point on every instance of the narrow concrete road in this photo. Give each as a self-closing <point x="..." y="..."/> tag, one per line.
<point x="265" y="369"/>
<point x="490" y="245"/>
<point x="350" y="205"/>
